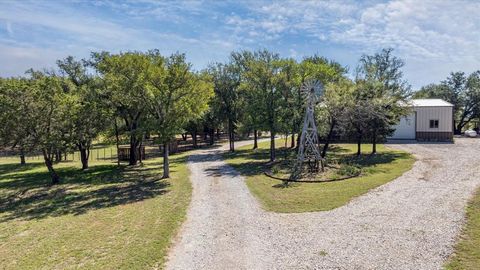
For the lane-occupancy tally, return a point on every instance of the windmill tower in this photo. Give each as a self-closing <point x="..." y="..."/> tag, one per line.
<point x="308" y="150"/>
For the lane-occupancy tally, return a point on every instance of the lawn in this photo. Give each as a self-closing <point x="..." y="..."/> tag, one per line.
<point x="104" y="218"/>
<point x="467" y="250"/>
<point x="305" y="197"/>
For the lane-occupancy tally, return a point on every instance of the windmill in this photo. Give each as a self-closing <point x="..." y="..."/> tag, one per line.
<point x="308" y="150"/>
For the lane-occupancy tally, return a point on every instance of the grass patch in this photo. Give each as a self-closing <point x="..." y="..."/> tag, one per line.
<point x="305" y="197"/>
<point x="107" y="217"/>
<point x="467" y="250"/>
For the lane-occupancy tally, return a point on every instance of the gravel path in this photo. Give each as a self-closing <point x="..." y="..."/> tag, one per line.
<point x="409" y="223"/>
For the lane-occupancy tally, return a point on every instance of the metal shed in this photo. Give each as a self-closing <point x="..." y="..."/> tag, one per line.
<point x="431" y="120"/>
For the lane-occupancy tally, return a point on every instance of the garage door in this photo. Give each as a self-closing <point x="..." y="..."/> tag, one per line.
<point x="405" y="130"/>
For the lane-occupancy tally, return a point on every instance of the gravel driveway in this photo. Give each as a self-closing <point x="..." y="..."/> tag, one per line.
<point x="409" y="223"/>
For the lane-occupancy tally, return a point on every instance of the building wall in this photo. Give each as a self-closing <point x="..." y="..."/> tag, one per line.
<point x="435" y="136"/>
<point x="405" y="129"/>
<point x="444" y="115"/>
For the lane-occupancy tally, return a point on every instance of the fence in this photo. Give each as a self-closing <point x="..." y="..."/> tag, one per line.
<point x="110" y="152"/>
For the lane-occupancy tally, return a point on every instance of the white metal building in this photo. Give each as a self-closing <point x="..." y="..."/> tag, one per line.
<point x="431" y="120"/>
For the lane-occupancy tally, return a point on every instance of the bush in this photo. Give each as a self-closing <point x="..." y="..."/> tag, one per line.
<point x="349" y="170"/>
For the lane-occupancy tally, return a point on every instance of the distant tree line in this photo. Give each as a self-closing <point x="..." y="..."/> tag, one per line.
<point x="138" y="95"/>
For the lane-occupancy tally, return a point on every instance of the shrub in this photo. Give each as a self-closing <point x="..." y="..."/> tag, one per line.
<point x="348" y="170"/>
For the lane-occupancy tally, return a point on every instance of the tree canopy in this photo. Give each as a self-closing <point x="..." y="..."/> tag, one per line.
<point x="150" y="97"/>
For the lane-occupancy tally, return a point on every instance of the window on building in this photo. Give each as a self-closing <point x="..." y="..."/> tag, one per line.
<point x="433" y="123"/>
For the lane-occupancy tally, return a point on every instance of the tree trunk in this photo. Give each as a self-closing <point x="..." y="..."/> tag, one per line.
<point x="48" y="162"/>
<point x="22" y="157"/>
<point x="457" y="129"/>
<point x="329" y="138"/>
<point x="298" y="139"/>
<point x="231" y="135"/>
<point x="140" y="151"/>
<point x="212" y="136"/>
<point x="255" y="139"/>
<point x="359" y="144"/>
<point x="272" y="146"/>
<point x="292" y="144"/>
<point x="166" y="167"/>
<point x="83" y="156"/>
<point x="184" y="136"/>
<point x="374" y="142"/>
<point x="58" y="156"/>
<point x="117" y="140"/>
<point x="194" y="139"/>
<point x="133" y="150"/>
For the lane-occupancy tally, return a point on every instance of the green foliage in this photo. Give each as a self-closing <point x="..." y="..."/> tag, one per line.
<point x="88" y="113"/>
<point x="37" y="115"/>
<point x="175" y="95"/>
<point x="124" y="89"/>
<point x="13" y="115"/>
<point x="379" y="98"/>
<point x="225" y="106"/>
<point x="349" y="170"/>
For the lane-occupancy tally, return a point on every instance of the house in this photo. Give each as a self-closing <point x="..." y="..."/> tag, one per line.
<point x="430" y="120"/>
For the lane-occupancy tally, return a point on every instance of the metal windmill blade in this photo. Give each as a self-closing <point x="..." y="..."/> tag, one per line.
<point x="312" y="90"/>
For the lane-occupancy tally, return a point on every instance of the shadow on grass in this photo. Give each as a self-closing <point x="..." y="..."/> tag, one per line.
<point x="27" y="195"/>
<point x="372" y="160"/>
<point x="10" y="168"/>
<point x="254" y="162"/>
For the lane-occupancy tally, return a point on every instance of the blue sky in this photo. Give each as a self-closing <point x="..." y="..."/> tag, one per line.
<point x="433" y="37"/>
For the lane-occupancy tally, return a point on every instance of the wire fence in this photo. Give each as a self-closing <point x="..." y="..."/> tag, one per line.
<point x="109" y="152"/>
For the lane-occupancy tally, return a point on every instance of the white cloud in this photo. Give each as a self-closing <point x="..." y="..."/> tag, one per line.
<point x="446" y="33"/>
<point x="434" y="37"/>
<point x="16" y="60"/>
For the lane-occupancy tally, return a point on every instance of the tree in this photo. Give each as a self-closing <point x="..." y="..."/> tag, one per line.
<point x="226" y="81"/>
<point x="462" y="91"/>
<point x="175" y="96"/>
<point x="356" y="121"/>
<point x="287" y="84"/>
<point x="381" y="86"/>
<point x="313" y="68"/>
<point x="124" y="88"/>
<point x="41" y="106"/>
<point x="87" y="115"/>
<point x="332" y="110"/>
<point x="13" y="115"/>
<point x="261" y="72"/>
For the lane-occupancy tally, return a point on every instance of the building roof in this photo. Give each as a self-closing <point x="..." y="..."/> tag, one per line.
<point x="430" y="102"/>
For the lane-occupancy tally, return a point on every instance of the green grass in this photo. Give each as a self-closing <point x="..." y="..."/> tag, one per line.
<point x="104" y="218"/>
<point x="467" y="250"/>
<point x="305" y="197"/>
